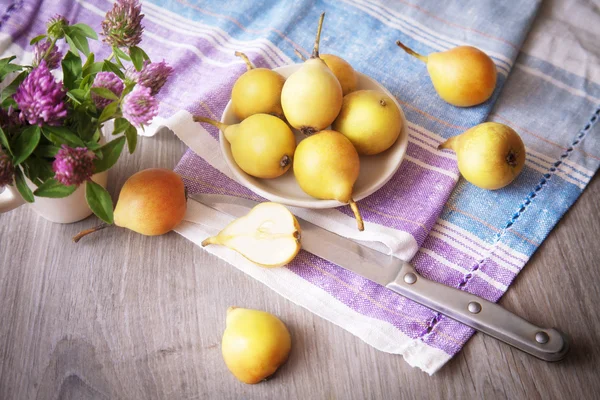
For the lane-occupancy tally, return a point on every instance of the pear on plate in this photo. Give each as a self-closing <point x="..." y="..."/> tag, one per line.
<point x="261" y="145"/>
<point x="269" y="235"/>
<point x="257" y="91"/>
<point x="326" y="166"/>
<point x="371" y="120"/>
<point x="311" y="97"/>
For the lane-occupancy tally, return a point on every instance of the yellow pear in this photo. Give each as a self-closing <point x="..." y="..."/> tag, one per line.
<point x="151" y="202"/>
<point x="343" y="71"/>
<point x="463" y="76"/>
<point x="326" y="166"/>
<point x="490" y="155"/>
<point x="257" y="91"/>
<point x="312" y="96"/>
<point x="255" y="344"/>
<point x="269" y="235"/>
<point x="370" y="119"/>
<point x="262" y="145"/>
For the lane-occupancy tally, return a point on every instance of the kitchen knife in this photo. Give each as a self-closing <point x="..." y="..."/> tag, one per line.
<point x="401" y="277"/>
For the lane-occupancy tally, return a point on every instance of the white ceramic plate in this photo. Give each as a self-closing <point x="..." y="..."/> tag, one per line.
<point x="375" y="170"/>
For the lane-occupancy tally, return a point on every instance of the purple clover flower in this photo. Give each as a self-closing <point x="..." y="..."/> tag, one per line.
<point x="122" y="26"/>
<point x="152" y="75"/>
<point x="73" y="166"/>
<point x="110" y="81"/>
<point x="41" y="99"/>
<point x="39" y="53"/>
<point x="7" y="169"/>
<point x="55" y="26"/>
<point x="139" y="106"/>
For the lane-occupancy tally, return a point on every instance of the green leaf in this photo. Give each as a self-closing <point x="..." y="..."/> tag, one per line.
<point x="72" y="45"/>
<point x="54" y="189"/>
<point x="6" y="67"/>
<point x="72" y="70"/>
<point x="78" y="39"/>
<point x="109" y="111"/>
<point x="121" y="54"/>
<point x="121" y="124"/>
<point x="22" y="187"/>
<point x="4" y="141"/>
<point x="105" y="93"/>
<point x="77" y="95"/>
<point x="25" y="143"/>
<point x="93" y="68"/>
<point x="93" y="146"/>
<point x="36" y="39"/>
<point x="112" y="67"/>
<point x="8" y="91"/>
<point x="99" y="201"/>
<point x="110" y="154"/>
<point x="131" y="135"/>
<point x="38" y="169"/>
<point x="46" y="150"/>
<point x="59" y="135"/>
<point x="137" y="57"/>
<point x="86" y="30"/>
<point x="146" y="57"/>
<point x="89" y="61"/>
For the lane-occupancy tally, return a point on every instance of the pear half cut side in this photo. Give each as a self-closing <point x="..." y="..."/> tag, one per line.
<point x="269" y="235"/>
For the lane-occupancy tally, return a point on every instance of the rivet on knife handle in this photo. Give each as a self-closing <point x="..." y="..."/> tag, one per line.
<point x="482" y="315"/>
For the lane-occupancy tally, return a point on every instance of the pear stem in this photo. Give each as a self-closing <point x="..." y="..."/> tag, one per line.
<point x="359" y="220"/>
<point x="411" y="52"/>
<point x="86" y="232"/>
<point x="218" y="124"/>
<point x="448" y="144"/>
<point x="315" y="52"/>
<point x="244" y="57"/>
<point x="299" y="55"/>
<point x="207" y="241"/>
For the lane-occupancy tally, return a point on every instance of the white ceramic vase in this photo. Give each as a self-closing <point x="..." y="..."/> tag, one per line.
<point x="69" y="209"/>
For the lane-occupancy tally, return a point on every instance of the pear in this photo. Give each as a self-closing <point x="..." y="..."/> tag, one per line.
<point x="326" y="166"/>
<point x="370" y="119"/>
<point x="255" y="344"/>
<point x="490" y="155"/>
<point x="343" y="71"/>
<point x="463" y="76"/>
<point x="269" y="235"/>
<point x="151" y="202"/>
<point x="312" y="96"/>
<point x="257" y="91"/>
<point x="262" y="145"/>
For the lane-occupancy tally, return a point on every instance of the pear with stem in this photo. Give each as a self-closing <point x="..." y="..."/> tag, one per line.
<point x="262" y="145"/>
<point x="257" y="91"/>
<point x="312" y="96"/>
<point x="463" y="76"/>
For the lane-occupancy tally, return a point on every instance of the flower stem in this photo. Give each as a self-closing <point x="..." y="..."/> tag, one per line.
<point x="85" y="232"/>
<point x="47" y="53"/>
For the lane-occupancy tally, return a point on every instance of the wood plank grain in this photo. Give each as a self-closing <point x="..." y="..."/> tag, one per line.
<point x="120" y="315"/>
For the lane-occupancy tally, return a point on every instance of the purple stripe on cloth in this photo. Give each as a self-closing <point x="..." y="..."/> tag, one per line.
<point x="448" y="335"/>
<point x="410" y="201"/>
<point x="211" y="180"/>
<point x="430" y="157"/>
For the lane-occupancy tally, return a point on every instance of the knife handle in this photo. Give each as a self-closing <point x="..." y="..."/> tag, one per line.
<point x="481" y="315"/>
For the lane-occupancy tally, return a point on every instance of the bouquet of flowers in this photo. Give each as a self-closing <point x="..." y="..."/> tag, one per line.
<point x="50" y="130"/>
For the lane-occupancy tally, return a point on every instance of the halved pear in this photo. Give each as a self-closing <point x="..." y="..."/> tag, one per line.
<point x="269" y="235"/>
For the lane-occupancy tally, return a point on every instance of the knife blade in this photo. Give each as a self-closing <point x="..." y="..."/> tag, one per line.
<point x="547" y="344"/>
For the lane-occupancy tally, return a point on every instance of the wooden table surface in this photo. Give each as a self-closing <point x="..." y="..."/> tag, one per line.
<point x="120" y="315"/>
